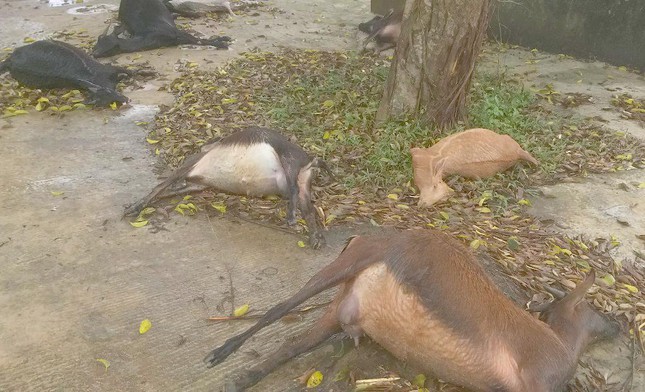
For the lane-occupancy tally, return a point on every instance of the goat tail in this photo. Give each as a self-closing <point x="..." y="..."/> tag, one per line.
<point x="528" y="157"/>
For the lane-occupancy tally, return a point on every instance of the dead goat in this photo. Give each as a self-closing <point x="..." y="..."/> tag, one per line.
<point x="384" y="31"/>
<point x="150" y="26"/>
<point x="422" y="296"/>
<point x="253" y="162"/>
<point x="54" y="64"/>
<point x="474" y="153"/>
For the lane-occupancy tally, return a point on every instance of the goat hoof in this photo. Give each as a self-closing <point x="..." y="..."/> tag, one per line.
<point x="316" y="240"/>
<point x="218" y="355"/>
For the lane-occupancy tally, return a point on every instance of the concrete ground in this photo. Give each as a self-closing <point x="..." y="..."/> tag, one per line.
<point x="76" y="280"/>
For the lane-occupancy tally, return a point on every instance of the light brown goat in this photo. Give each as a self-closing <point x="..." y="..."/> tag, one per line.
<point x="422" y="296"/>
<point x="475" y="153"/>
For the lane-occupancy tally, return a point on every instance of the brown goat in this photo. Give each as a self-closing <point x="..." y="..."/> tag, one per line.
<point x="475" y="153"/>
<point x="422" y="296"/>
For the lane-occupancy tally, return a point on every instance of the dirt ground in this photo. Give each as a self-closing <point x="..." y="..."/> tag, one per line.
<point x="76" y="280"/>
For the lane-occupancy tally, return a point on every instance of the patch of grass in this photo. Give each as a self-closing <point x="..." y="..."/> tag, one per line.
<point x="503" y="105"/>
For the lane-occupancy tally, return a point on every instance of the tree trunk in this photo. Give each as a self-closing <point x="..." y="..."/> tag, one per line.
<point x="434" y="60"/>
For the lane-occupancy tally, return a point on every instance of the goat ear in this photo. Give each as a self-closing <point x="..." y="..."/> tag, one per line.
<point x="578" y="294"/>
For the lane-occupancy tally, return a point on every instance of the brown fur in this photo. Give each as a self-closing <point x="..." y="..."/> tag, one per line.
<point x="475" y="153"/>
<point x="423" y="297"/>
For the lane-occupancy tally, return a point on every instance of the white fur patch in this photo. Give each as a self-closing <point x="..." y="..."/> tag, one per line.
<point x="253" y="170"/>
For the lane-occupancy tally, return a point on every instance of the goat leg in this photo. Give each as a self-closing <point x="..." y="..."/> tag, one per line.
<point x="320" y="331"/>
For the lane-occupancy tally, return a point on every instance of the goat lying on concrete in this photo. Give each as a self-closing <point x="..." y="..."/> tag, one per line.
<point x="422" y="296"/>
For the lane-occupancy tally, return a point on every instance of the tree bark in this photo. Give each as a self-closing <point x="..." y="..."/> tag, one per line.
<point x="434" y="60"/>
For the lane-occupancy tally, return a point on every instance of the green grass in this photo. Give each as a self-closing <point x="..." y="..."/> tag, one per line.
<point x="333" y="114"/>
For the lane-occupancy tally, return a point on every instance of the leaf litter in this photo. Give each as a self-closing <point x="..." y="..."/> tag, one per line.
<point x="326" y="101"/>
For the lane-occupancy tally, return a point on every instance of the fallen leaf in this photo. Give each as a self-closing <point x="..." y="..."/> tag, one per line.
<point x="105" y="363"/>
<point x="219" y="207"/>
<point x="630" y="288"/>
<point x="241" y="311"/>
<point x="419" y="380"/>
<point x="301" y="244"/>
<point x="139" y="223"/>
<point x="608" y="279"/>
<point x="57" y="193"/>
<point x="315" y="379"/>
<point x="145" y="326"/>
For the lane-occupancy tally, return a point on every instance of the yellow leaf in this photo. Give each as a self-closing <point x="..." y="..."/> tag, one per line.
<point x="393" y="196"/>
<point x="219" y="207"/>
<point x="139" y="223"/>
<point x="65" y="108"/>
<point x="444" y="215"/>
<point x="227" y="101"/>
<point x="192" y="65"/>
<point x="28" y="40"/>
<point x="105" y="363"/>
<point x="40" y="107"/>
<point x="624" y="157"/>
<point x="622" y="68"/>
<point x="147" y="211"/>
<point x="608" y="279"/>
<point x="483" y="209"/>
<point x="113" y="106"/>
<point x="241" y="311"/>
<point x="475" y="244"/>
<point x="403" y="206"/>
<point x="326" y="135"/>
<point x="152" y="141"/>
<point x="145" y="326"/>
<point x="632" y="289"/>
<point x="524" y="202"/>
<point x="301" y="244"/>
<point x="57" y="193"/>
<point x="315" y="379"/>
<point x="419" y="380"/>
<point x="328" y="103"/>
<point x="641" y="185"/>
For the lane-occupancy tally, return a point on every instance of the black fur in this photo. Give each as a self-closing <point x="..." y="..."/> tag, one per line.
<point x="151" y="26"/>
<point x="54" y="64"/>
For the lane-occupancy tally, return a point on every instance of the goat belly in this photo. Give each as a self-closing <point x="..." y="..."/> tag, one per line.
<point x="253" y="170"/>
<point x="394" y="316"/>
